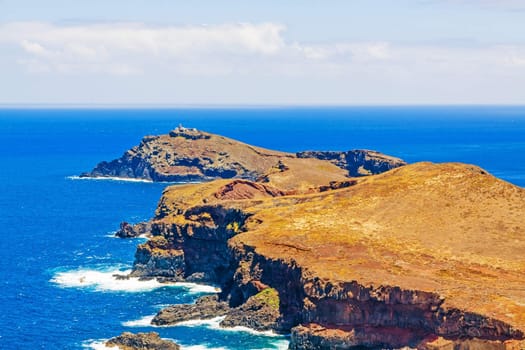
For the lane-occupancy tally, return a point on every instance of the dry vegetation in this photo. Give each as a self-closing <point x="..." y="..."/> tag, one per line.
<point x="448" y="228"/>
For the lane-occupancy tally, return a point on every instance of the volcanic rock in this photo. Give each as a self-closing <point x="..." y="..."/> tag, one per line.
<point x="128" y="230"/>
<point x="259" y="312"/>
<point x="205" y="307"/>
<point x="141" y="341"/>
<point x="357" y="162"/>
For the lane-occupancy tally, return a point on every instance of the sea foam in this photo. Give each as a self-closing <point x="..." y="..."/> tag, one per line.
<point x="127" y="179"/>
<point x="108" y="178"/>
<point x="250" y="331"/>
<point x="215" y="324"/>
<point x="105" y="280"/>
<point x="98" y="345"/>
<point x="141" y="322"/>
<point x="212" y="323"/>
<point x="199" y="347"/>
<point x="195" y="288"/>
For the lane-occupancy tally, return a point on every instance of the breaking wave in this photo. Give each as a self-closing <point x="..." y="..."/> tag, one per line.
<point x="106" y="279"/>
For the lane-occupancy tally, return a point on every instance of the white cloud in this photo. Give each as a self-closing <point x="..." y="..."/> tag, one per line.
<point x="127" y="44"/>
<point x="132" y="48"/>
<point x="238" y="59"/>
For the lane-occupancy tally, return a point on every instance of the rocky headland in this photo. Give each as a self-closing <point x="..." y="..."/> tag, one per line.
<point x="427" y="256"/>
<point x="190" y="155"/>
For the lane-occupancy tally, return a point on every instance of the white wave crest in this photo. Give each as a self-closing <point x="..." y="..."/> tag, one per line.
<point x="195" y="288"/>
<point x="141" y="322"/>
<point x="105" y="280"/>
<point x="199" y="347"/>
<point x="251" y="331"/>
<point x="113" y="234"/>
<point x="109" y="178"/>
<point x="98" y="345"/>
<point x="212" y="323"/>
<point x="215" y="324"/>
<point x="127" y="179"/>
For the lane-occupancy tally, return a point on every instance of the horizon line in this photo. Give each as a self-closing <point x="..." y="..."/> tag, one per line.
<point x="236" y="106"/>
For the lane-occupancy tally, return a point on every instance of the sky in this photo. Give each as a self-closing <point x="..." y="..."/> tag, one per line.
<point x="271" y="52"/>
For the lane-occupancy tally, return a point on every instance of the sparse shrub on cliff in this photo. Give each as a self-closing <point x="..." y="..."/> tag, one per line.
<point x="234" y="226"/>
<point x="268" y="296"/>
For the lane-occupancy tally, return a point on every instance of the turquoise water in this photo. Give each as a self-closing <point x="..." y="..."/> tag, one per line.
<point x="57" y="254"/>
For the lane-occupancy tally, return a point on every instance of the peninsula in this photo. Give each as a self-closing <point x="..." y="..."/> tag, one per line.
<point x="428" y="256"/>
<point x="190" y="155"/>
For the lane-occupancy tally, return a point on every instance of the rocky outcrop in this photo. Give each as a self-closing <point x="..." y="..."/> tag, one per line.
<point x="357" y="162"/>
<point x="426" y="256"/>
<point x="141" y="341"/>
<point x="260" y="312"/>
<point x="190" y="155"/>
<point x="128" y="230"/>
<point x="206" y="307"/>
<point x="194" y="249"/>
<point x="159" y="258"/>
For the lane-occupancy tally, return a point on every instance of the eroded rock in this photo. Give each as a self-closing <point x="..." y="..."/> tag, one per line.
<point x="141" y="341"/>
<point x="128" y="230"/>
<point x="205" y="307"/>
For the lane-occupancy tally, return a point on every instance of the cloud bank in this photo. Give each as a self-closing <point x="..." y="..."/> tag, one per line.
<point x="261" y="52"/>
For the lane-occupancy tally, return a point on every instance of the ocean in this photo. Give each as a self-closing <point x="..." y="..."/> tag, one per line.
<point x="58" y="255"/>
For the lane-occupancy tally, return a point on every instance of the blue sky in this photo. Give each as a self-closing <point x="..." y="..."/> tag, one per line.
<point x="293" y="52"/>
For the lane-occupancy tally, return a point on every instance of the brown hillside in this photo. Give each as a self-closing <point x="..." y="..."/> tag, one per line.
<point x="446" y="228"/>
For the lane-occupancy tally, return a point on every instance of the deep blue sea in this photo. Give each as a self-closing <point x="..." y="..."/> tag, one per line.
<point x="57" y="255"/>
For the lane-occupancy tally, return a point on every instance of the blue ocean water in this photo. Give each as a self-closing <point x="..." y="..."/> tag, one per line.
<point x="57" y="255"/>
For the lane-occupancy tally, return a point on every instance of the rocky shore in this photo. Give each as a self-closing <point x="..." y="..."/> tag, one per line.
<point x="426" y="256"/>
<point x="260" y="312"/>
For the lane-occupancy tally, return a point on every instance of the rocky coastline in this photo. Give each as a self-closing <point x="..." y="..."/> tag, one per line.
<point x="413" y="256"/>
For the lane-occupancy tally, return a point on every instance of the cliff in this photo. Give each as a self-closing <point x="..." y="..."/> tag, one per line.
<point x="357" y="162"/>
<point x="425" y="255"/>
<point x="189" y="155"/>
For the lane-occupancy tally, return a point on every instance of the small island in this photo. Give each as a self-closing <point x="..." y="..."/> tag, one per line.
<point x="427" y="256"/>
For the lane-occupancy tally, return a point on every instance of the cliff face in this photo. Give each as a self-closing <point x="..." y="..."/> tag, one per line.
<point x="426" y="255"/>
<point x="189" y="155"/>
<point x="357" y="162"/>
